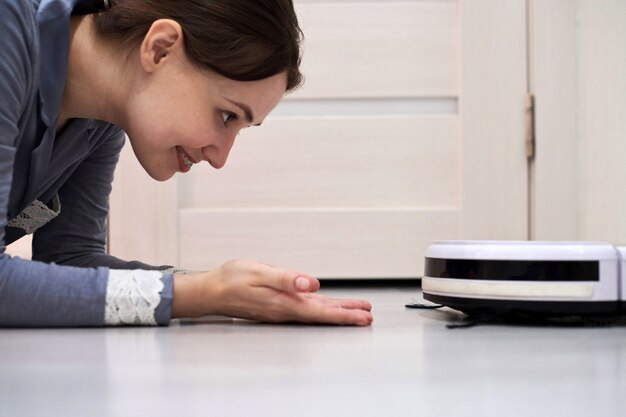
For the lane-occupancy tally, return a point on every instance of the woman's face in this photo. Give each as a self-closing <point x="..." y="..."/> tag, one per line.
<point x="178" y="115"/>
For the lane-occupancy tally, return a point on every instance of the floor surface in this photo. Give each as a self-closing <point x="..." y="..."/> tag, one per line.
<point x="406" y="364"/>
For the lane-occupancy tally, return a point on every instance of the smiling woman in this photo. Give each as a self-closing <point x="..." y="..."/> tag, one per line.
<point x="181" y="79"/>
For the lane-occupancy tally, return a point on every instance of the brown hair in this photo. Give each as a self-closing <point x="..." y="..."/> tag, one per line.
<point x="244" y="40"/>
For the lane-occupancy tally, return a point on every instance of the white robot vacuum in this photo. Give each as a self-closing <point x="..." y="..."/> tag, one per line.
<point x="528" y="277"/>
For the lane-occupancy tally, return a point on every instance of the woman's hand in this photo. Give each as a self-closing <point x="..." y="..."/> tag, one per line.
<point x="261" y="292"/>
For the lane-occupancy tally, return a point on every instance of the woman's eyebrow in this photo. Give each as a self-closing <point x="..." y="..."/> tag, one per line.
<point x="246" y="110"/>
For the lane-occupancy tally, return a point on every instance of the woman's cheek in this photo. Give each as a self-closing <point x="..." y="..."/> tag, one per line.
<point x="202" y="136"/>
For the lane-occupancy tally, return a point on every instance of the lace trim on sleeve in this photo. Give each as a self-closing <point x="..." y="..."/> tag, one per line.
<point x="36" y="215"/>
<point x="132" y="297"/>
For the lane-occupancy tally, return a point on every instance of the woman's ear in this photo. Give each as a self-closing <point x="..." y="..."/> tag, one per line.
<point x="164" y="38"/>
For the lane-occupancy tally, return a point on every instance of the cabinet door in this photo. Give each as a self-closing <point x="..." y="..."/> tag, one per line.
<point x="410" y="128"/>
<point x="578" y="77"/>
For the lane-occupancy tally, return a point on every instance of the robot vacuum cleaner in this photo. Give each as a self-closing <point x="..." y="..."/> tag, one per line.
<point x="527" y="277"/>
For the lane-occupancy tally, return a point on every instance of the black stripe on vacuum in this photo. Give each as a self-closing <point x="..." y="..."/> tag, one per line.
<point x="501" y="270"/>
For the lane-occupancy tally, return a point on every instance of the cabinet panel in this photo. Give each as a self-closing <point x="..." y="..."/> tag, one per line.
<point x="368" y="49"/>
<point x="399" y="161"/>
<point x="323" y="243"/>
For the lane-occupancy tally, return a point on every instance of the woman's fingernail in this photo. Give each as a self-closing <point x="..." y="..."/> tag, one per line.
<point x="302" y="283"/>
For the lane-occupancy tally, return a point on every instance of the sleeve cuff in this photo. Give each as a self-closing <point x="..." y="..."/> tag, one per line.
<point x="138" y="297"/>
<point x="163" y="312"/>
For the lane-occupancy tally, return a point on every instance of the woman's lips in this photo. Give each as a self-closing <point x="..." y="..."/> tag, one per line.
<point x="184" y="160"/>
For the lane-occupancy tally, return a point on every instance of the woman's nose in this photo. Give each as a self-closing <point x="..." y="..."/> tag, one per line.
<point x="217" y="154"/>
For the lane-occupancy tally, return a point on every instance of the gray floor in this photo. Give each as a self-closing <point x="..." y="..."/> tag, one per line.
<point x="406" y="364"/>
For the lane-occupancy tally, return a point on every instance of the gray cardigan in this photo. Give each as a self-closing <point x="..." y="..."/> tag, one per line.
<point x="65" y="284"/>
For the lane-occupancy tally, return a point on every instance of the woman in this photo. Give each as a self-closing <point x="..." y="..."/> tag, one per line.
<point x="181" y="78"/>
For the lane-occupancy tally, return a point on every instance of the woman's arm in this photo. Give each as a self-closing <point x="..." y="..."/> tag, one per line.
<point x="77" y="237"/>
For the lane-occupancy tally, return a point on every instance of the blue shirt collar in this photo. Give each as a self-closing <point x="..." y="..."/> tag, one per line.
<point x="53" y="20"/>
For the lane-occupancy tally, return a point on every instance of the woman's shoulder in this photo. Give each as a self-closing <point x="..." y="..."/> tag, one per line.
<point x="19" y="59"/>
<point x="18" y="12"/>
<point x="18" y="28"/>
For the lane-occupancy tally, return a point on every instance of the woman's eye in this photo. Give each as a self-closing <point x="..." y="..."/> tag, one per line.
<point x="227" y="117"/>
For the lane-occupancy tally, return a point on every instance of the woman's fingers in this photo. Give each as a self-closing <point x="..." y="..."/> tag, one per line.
<point x="323" y="313"/>
<point x="319" y="309"/>
<point x="264" y="275"/>
<point x="288" y="281"/>
<point x="349" y="303"/>
<point x="356" y="304"/>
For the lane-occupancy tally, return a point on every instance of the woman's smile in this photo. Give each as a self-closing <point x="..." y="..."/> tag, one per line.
<point x="185" y="162"/>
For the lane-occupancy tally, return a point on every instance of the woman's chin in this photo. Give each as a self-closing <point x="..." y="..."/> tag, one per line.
<point x="161" y="174"/>
<point x="163" y="178"/>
